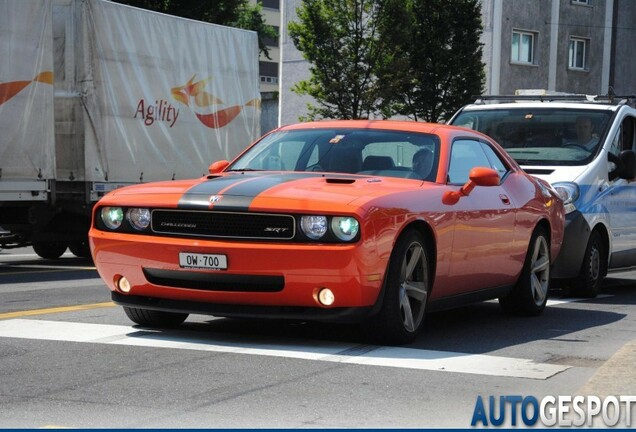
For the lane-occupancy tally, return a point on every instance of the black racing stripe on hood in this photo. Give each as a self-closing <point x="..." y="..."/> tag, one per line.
<point x="199" y="196"/>
<point x="238" y="190"/>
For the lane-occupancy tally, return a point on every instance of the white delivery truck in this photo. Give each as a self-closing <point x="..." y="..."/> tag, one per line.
<point x="95" y="95"/>
<point x="584" y="146"/>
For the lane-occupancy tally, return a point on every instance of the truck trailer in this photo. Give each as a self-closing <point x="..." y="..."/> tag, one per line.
<point x="96" y="95"/>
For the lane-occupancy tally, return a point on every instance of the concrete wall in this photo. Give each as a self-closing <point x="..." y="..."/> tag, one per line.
<point x="625" y="48"/>
<point x="527" y="16"/>
<point x="294" y="68"/>
<point x="585" y="22"/>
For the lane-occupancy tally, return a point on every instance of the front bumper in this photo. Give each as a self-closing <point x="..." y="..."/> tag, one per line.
<point x="576" y="235"/>
<point x="338" y="315"/>
<point x="262" y="279"/>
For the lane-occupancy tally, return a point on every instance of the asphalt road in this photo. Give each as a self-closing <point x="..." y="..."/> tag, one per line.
<point x="70" y="358"/>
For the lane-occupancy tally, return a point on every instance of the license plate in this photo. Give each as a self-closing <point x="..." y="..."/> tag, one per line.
<point x="203" y="261"/>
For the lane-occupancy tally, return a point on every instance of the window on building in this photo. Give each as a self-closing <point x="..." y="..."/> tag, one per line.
<point x="581" y="2"/>
<point x="272" y="41"/>
<point x="271" y="4"/>
<point x="522" y="47"/>
<point x="578" y="53"/>
<point x="268" y="72"/>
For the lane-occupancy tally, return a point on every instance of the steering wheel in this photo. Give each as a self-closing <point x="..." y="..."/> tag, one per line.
<point x="314" y="167"/>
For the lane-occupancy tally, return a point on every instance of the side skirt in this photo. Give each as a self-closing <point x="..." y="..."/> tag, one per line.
<point x="451" y="302"/>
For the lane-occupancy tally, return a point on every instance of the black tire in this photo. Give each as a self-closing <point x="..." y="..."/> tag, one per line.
<point x="80" y="249"/>
<point x="530" y="294"/>
<point x="406" y="290"/>
<point x="590" y="279"/>
<point x="153" y="318"/>
<point x="50" y="250"/>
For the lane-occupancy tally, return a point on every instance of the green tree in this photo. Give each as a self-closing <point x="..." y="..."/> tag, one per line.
<point x="436" y="64"/>
<point x="340" y="40"/>
<point x="232" y="13"/>
<point x="419" y="59"/>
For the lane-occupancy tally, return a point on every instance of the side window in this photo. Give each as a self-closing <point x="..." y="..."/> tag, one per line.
<point x="495" y="161"/>
<point x="627" y="133"/>
<point x="465" y="155"/>
<point x="616" y="144"/>
<point x="624" y="138"/>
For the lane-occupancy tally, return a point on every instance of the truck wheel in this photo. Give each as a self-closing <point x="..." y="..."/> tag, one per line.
<point x="590" y="278"/>
<point x="153" y="318"/>
<point x="407" y="287"/>
<point x="530" y="294"/>
<point x="50" y="250"/>
<point x="80" y="249"/>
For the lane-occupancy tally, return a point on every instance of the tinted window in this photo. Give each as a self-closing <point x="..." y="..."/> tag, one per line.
<point x="467" y="154"/>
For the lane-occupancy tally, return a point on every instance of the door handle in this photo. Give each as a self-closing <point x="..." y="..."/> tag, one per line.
<point x="504" y="199"/>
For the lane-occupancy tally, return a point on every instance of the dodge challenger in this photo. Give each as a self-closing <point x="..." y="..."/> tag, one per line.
<point x="372" y="222"/>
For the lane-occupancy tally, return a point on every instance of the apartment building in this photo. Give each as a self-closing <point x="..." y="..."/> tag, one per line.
<point x="577" y="46"/>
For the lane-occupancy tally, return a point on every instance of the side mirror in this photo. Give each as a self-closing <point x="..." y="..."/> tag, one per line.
<point x="478" y="176"/>
<point x="218" y="166"/>
<point x="625" y="164"/>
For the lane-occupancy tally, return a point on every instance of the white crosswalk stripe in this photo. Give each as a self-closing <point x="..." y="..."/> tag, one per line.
<point x="338" y="352"/>
<point x="554" y="302"/>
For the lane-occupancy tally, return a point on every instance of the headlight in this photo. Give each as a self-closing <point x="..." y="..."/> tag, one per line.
<point x="314" y="227"/>
<point x="345" y="228"/>
<point x="112" y="217"/>
<point x="569" y="193"/>
<point x="139" y="218"/>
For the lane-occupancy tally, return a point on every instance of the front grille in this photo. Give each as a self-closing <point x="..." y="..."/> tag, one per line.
<point x="223" y="224"/>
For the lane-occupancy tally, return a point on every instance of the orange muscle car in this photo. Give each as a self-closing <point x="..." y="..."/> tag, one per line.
<point x="350" y="221"/>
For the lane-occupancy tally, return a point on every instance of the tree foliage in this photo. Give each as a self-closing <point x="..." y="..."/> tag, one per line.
<point x="419" y="59"/>
<point x="437" y="59"/>
<point x="232" y="13"/>
<point x="340" y="40"/>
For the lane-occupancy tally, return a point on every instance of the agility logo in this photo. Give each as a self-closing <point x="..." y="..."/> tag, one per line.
<point x="11" y="88"/>
<point x="193" y="95"/>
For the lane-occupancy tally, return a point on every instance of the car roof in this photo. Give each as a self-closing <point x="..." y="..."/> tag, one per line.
<point x="541" y="105"/>
<point x="394" y="125"/>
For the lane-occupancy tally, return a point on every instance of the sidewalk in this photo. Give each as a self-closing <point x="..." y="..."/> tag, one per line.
<point x="616" y="377"/>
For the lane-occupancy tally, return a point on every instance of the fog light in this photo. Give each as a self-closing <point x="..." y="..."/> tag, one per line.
<point x="123" y="285"/>
<point x="326" y="297"/>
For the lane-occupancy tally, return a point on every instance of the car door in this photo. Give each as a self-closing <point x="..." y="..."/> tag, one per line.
<point x="620" y="201"/>
<point x="484" y="230"/>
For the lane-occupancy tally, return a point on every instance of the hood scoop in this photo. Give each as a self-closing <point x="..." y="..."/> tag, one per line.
<point x="340" y="180"/>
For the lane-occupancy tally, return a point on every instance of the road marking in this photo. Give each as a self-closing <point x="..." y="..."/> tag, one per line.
<point x="337" y="352"/>
<point x="31" y="312"/>
<point x="554" y="302"/>
<point x="27" y="268"/>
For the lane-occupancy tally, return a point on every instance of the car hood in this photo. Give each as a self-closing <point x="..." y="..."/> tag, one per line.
<point x="556" y="173"/>
<point x="259" y="191"/>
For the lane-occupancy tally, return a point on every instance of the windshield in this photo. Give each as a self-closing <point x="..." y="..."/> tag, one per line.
<point x="542" y="136"/>
<point x="354" y="151"/>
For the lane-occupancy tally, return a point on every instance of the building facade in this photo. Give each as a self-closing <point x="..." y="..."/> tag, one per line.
<point x="269" y="67"/>
<point x="574" y="46"/>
